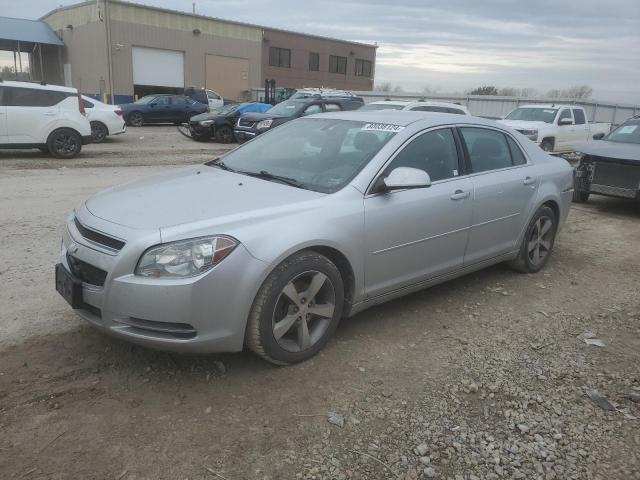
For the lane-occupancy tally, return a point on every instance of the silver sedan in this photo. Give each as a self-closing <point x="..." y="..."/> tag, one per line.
<point x="272" y="244"/>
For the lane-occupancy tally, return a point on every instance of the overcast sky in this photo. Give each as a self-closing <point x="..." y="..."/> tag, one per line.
<point x="453" y="45"/>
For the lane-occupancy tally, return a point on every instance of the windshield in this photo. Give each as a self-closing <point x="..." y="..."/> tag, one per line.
<point x="530" y="114"/>
<point x="146" y="99"/>
<point x="381" y="106"/>
<point x="321" y="154"/>
<point x="628" y="132"/>
<point x="287" y="108"/>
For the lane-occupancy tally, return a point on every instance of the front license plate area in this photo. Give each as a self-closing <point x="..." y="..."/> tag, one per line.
<point x="69" y="287"/>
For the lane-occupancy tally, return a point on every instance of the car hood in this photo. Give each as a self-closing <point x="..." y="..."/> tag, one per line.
<point x="604" y="148"/>
<point x="524" y="125"/>
<point x="208" y="116"/>
<point x="256" y="116"/>
<point x="195" y="194"/>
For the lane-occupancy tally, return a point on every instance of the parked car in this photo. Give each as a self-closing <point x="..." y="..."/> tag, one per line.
<point x="104" y="119"/>
<point x="420" y="106"/>
<point x="610" y="166"/>
<point x="252" y="124"/>
<point x="273" y="243"/>
<point x="219" y="123"/>
<point x="162" y="109"/>
<point x="206" y="96"/>
<point x="48" y="117"/>
<point x="306" y="93"/>
<point x="556" y="128"/>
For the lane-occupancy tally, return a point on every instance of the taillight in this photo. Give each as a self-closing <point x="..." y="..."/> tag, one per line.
<point x="118" y="112"/>
<point x="80" y="104"/>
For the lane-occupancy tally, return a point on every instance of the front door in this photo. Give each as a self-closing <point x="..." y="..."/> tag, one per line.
<point x="505" y="188"/>
<point x="415" y="234"/>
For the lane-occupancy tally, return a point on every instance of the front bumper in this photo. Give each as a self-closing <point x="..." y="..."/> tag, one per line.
<point x="243" y="135"/>
<point x="202" y="314"/>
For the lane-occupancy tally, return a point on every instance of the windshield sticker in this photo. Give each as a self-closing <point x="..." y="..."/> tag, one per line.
<point x="382" y="127"/>
<point x="628" y="129"/>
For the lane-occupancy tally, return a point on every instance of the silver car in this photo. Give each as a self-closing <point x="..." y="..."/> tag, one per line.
<point x="272" y="244"/>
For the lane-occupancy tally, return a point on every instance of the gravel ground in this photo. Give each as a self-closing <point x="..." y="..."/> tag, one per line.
<point x="486" y="377"/>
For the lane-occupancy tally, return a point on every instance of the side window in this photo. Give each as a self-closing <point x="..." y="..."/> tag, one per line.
<point x="163" y="100"/>
<point x="578" y="115"/>
<point x="487" y="149"/>
<point x="565" y="114"/>
<point x="213" y="95"/>
<point x="87" y="103"/>
<point x="32" y="97"/>
<point x="434" y="152"/>
<point x="455" y="110"/>
<point x="332" y="107"/>
<point x="311" y="109"/>
<point x="517" y="156"/>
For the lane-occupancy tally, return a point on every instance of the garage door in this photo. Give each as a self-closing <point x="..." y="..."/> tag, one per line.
<point x="229" y="76"/>
<point x="162" y="68"/>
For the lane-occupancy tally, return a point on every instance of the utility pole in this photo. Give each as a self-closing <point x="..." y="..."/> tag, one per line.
<point x="107" y="27"/>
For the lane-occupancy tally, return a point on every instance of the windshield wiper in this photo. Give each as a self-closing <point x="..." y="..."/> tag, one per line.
<point x="270" y="176"/>
<point x="217" y="162"/>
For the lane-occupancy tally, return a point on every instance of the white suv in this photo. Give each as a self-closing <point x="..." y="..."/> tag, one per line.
<point x="421" y="106"/>
<point x="48" y="117"/>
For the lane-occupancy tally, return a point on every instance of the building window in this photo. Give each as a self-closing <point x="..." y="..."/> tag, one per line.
<point x="314" y="61"/>
<point x="280" y="57"/>
<point x="337" y="64"/>
<point x="363" y="68"/>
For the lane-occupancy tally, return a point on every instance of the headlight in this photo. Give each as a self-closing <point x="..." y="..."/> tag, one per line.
<point x="206" y="123"/>
<point x="185" y="258"/>
<point x="264" y="124"/>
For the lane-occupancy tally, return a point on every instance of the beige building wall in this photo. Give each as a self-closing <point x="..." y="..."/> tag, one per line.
<point x="299" y="75"/>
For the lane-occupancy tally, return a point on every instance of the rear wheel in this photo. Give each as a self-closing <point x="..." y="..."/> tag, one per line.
<point x="224" y="134"/>
<point x="547" y="145"/>
<point x="64" y="143"/>
<point x="98" y="132"/>
<point x="296" y="310"/>
<point x="135" y="119"/>
<point x="537" y="242"/>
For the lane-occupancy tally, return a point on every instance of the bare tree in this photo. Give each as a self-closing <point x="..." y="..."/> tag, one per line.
<point x="508" y="92"/>
<point x="575" y="92"/>
<point x="398" y="89"/>
<point x="486" y="90"/>
<point x="383" y="87"/>
<point x="528" y="92"/>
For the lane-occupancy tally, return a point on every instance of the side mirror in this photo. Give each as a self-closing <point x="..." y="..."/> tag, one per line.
<point x="152" y="104"/>
<point x="406" y="177"/>
<point x="598" y="136"/>
<point x="565" y="121"/>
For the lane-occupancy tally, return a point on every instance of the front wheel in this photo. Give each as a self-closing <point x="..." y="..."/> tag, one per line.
<point x="296" y="310"/>
<point x="537" y="242"/>
<point x="547" y="145"/>
<point x="64" y="143"/>
<point x="224" y="134"/>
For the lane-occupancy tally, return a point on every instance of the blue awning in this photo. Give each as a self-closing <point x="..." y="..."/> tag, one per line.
<point x="26" y="33"/>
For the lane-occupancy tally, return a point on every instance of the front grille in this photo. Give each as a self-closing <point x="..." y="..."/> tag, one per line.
<point x="618" y="175"/>
<point x="140" y="326"/>
<point x="246" y="123"/>
<point x="86" y="272"/>
<point x="99" y="238"/>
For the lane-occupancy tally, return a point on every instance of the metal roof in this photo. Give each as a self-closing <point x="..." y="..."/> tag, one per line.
<point x="26" y="32"/>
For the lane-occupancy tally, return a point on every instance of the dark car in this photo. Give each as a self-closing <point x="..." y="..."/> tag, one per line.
<point x="219" y="123"/>
<point x="251" y="124"/>
<point x="161" y="109"/>
<point x="610" y="166"/>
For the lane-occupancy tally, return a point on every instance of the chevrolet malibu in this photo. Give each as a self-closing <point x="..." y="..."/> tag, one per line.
<point x="272" y="244"/>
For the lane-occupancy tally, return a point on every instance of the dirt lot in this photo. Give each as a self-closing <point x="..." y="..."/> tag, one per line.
<point x="487" y="376"/>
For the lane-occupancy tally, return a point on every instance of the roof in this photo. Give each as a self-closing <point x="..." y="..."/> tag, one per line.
<point x="207" y="17"/>
<point x="549" y="105"/>
<point x="38" y="86"/>
<point x="404" y="118"/>
<point x="27" y="33"/>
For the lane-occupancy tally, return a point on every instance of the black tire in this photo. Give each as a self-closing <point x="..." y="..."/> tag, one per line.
<point x="64" y="143"/>
<point x="525" y="262"/>
<point x="579" y="196"/>
<point x="135" y="119"/>
<point x="267" y="310"/>
<point x="99" y="132"/>
<point x="224" y="134"/>
<point x="201" y="137"/>
<point x="547" y="145"/>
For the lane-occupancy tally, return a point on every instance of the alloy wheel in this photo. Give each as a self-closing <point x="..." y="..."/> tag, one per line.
<point x="65" y="144"/>
<point x="98" y="132"/>
<point x="303" y="311"/>
<point x="136" y="119"/>
<point x="539" y="244"/>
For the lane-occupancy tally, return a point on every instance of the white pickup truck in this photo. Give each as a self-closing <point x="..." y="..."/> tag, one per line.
<point x="556" y="128"/>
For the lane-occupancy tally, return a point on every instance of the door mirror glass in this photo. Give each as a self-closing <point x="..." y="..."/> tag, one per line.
<point x="407" y="177"/>
<point x="598" y="136"/>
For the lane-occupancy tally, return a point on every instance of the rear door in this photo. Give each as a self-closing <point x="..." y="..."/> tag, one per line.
<point x="160" y="109"/>
<point x="3" y="119"/>
<point x="32" y="113"/>
<point x="415" y="234"/>
<point x="505" y="187"/>
<point x="214" y="99"/>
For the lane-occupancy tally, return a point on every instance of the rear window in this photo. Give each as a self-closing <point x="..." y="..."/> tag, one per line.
<point x="32" y="97"/>
<point x="488" y="149"/>
<point x="578" y="115"/>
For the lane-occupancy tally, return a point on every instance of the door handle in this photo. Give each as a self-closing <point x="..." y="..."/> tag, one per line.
<point x="460" y="195"/>
<point x="529" y="181"/>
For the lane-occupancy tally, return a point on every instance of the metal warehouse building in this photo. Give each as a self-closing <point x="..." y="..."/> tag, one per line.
<point x="156" y="50"/>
